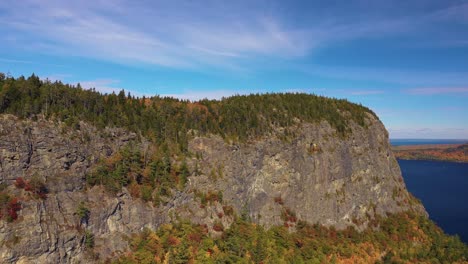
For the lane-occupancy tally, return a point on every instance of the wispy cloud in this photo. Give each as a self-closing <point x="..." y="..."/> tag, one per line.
<point x="347" y="92"/>
<point x="423" y="130"/>
<point x="172" y="40"/>
<point x="56" y="77"/>
<point x="457" y="12"/>
<point x="429" y="133"/>
<point x="15" y="61"/>
<point x="106" y="86"/>
<point x="454" y="109"/>
<point x="438" y="90"/>
<point x="396" y="76"/>
<point x="366" y="92"/>
<point x="223" y="34"/>
<point x="199" y="95"/>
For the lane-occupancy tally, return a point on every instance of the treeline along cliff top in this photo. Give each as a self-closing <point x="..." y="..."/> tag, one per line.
<point x="239" y="117"/>
<point x="173" y="193"/>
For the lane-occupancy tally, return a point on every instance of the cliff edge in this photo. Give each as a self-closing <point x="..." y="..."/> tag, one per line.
<point x="313" y="174"/>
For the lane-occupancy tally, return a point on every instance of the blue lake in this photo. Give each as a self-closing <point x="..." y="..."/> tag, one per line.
<point x="409" y="141"/>
<point x="443" y="189"/>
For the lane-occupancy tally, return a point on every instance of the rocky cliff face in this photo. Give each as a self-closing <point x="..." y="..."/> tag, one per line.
<point x="48" y="231"/>
<point x="318" y="176"/>
<point x="314" y="176"/>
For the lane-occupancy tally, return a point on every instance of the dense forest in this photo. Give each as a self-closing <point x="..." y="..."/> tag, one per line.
<point x="167" y="120"/>
<point x="400" y="238"/>
<point x="152" y="179"/>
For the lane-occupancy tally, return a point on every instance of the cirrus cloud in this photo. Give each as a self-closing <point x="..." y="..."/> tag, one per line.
<point x="186" y="34"/>
<point x="438" y="90"/>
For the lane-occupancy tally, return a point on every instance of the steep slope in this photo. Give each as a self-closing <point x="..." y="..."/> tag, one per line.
<point x="314" y="176"/>
<point x="48" y="230"/>
<point x="81" y="172"/>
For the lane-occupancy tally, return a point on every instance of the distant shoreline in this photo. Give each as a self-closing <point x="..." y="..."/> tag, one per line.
<point x="418" y="141"/>
<point x="435" y="152"/>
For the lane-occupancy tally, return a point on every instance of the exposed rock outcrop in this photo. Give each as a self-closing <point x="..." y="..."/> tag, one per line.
<point x="315" y="176"/>
<point x="319" y="176"/>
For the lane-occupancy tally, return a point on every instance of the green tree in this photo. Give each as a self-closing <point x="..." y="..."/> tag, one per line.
<point x="83" y="213"/>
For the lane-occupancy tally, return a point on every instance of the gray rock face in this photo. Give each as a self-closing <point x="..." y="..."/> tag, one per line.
<point x="318" y="176"/>
<point x="59" y="155"/>
<point x="314" y="176"/>
<point x="50" y="231"/>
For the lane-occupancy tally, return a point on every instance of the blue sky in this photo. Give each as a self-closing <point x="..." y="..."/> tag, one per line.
<point x="406" y="60"/>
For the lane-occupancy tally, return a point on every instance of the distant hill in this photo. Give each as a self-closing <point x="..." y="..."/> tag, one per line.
<point x="445" y="152"/>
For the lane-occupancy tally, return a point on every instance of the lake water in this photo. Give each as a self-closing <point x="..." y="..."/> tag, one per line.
<point x="443" y="189"/>
<point x="405" y="141"/>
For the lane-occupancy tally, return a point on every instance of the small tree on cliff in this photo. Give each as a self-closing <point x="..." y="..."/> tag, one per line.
<point x="83" y="213"/>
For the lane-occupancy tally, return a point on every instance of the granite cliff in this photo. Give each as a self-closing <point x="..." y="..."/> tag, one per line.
<point x="314" y="175"/>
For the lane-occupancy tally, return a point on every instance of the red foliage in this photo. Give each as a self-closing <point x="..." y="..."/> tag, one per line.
<point x="220" y="215"/>
<point x="40" y="191"/>
<point x="288" y="215"/>
<point x="28" y="187"/>
<point x="173" y="241"/>
<point x="13" y="207"/>
<point x="14" y="204"/>
<point x="13" y="214"/>
<point x="218" y="227"/>
<point x="20" y="183"/>
<point x="332" y="233"/>
<point x="195" y="237"/>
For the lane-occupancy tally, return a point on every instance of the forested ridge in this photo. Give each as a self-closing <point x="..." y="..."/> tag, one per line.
<point x="399" y="238"/>
<point x="455" y="153"/>
<point x="239" y="117"/>
<point x="154" y="176"/>
<point x="167" y="123"/>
